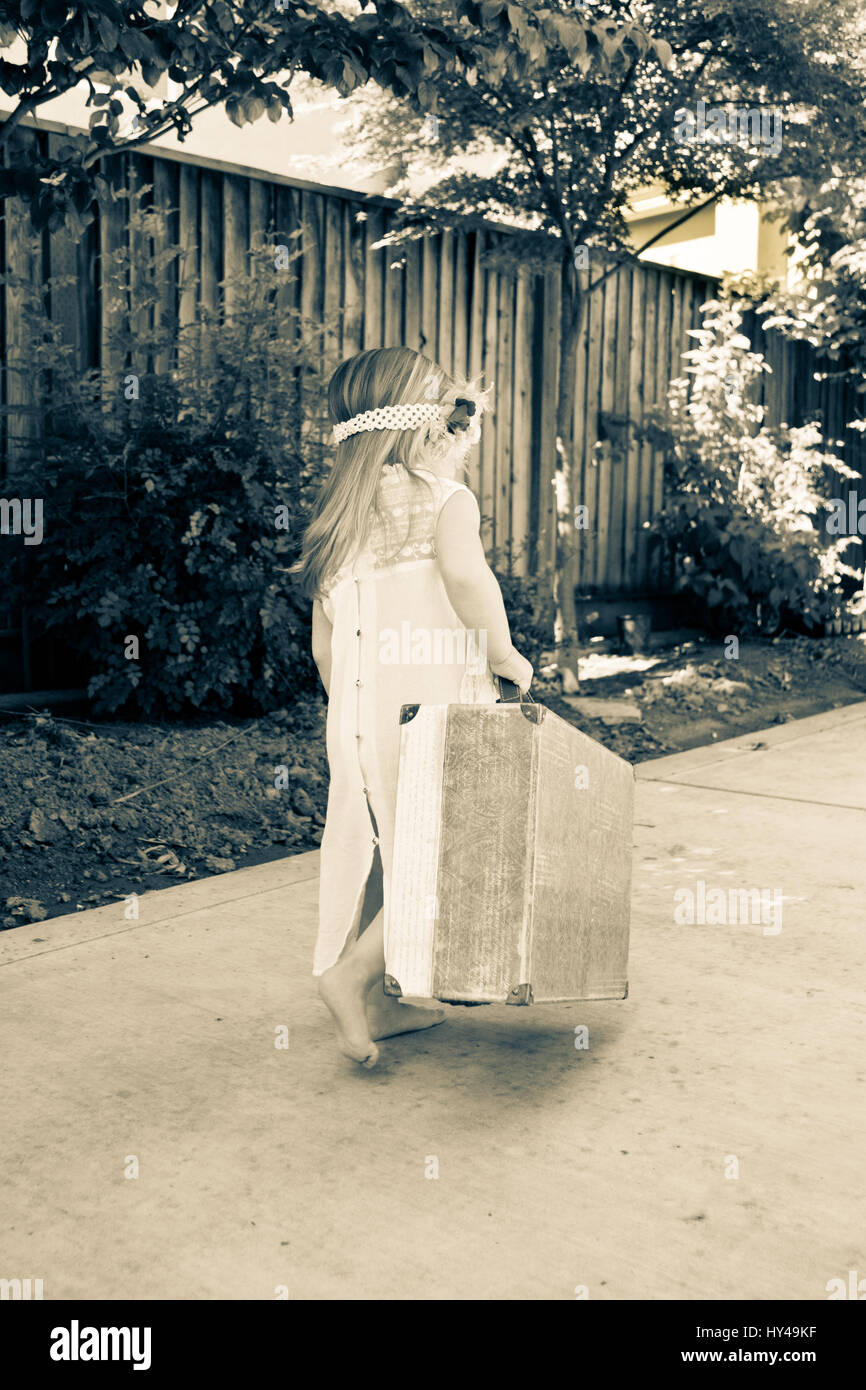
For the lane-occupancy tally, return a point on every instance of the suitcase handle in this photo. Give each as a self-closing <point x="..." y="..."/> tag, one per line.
<point x="509" y="691"/>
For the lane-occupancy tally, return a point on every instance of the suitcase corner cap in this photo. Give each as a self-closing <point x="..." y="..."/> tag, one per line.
<point x="392" y="986"/>
<point x="408" y="712"/>
<point x="520" y="994"/>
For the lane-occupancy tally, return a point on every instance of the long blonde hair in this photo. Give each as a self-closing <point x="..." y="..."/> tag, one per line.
<point x="348" y="503"/>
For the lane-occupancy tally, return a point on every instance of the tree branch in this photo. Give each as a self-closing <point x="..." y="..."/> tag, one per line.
<point x="555" y="205"/>
<point x="678" y="222"/>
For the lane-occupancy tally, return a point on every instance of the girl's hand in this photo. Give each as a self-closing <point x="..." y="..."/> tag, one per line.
<point x="514" y="668"/>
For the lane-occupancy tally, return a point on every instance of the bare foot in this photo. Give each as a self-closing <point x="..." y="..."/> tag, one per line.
<point x="388" y="1017"/>
<point x="344" y="992"/>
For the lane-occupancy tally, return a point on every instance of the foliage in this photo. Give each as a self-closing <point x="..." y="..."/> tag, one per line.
<point x="239" y="54"/>
<point x="528" y="603"/>
<point x="557" y="139"/>
<point x="827" y="309"/>
<point x="746" y="509"/>
<point x="175" y="498"/>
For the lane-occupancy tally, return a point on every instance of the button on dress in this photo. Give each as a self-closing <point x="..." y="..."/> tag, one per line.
<point x="396" y="640"/>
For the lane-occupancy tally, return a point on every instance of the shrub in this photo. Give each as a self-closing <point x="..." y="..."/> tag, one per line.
<point x="745" y="502"/>
<point x="176" y="487"/>
<point x="528" y="604"/>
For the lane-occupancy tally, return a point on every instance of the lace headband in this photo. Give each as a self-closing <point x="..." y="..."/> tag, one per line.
<point x="388" y="417"/>
<point x="457" y="418"/>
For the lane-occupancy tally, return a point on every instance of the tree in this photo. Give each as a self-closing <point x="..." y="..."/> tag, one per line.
<point x="239" y="53"/>
<point x="245" y="55"/>
<point x="562" y="130"/>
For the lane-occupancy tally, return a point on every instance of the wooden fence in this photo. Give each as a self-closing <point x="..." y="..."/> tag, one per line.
<point x="442" y="296"/>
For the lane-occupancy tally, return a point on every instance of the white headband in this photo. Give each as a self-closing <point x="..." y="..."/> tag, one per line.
<point x="388" y="417"/>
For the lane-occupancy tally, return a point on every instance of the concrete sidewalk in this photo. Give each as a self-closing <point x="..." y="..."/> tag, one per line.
<point x="264" y="1169"/>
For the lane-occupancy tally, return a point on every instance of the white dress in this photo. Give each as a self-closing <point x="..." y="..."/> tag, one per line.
<point x="396" y="640"/>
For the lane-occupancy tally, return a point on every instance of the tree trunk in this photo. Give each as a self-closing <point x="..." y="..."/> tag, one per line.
<point x="565" y="582"/>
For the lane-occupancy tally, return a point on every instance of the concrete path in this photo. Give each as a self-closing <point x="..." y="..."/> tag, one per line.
<point x="708" y="1143"/>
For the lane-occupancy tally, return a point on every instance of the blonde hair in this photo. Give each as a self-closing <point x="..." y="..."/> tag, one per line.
<point x="348" y="504"/>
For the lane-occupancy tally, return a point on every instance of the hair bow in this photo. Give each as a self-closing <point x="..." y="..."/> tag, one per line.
<point x="461" y="414"/>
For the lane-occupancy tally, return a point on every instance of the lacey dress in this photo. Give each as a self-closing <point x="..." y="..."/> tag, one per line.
<point x="396" y="640"/>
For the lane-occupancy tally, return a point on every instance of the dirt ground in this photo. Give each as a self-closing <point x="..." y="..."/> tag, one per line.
<point x="93" y="812"/>
<point x="692" y="694"/>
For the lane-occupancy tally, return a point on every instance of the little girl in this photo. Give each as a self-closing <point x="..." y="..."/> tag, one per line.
<point x="394" y="563"/>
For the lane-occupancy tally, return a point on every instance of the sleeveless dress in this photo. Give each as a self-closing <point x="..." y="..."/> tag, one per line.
<point x="396" y="640"/>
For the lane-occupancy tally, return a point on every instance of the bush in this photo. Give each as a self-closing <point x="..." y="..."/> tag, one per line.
<point x="174" y="499"/>
<point x="744" y="515"/>
<point x="528" y="604"/>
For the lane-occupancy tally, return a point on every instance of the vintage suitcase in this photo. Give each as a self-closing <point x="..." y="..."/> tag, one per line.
<point x="511" y="870"/>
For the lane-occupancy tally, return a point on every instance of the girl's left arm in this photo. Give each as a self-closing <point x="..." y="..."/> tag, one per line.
<point x="322" y="630"/>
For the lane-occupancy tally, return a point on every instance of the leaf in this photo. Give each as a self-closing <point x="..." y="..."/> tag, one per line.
<point x="664" y="52"/>
<point x="537" y="49"/>
<point x="222" y="14"/>
<point x="108" y="31"/>
<point x="572" y="35"/>
<point x="132" y="44"/>
<point x="350" y="75"/>
<point x="491" y="10"/>
<point x="253" y="108"/>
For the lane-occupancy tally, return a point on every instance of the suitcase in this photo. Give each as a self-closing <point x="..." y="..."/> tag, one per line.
<point x="511" y="870"/>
